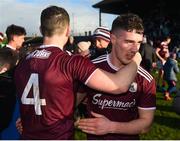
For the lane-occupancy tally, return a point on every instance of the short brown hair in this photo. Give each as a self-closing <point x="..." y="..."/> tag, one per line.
<point x="54" y="20"/>
<point x="128" y="22"/>
<point x="14" y="30"/>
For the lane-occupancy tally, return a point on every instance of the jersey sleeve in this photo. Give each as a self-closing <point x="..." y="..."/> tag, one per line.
<point x="147" y="99"/>
<point x="82" y="68"/>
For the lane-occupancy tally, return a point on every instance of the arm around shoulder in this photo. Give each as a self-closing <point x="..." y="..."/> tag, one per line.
<point x="115" y="83"/>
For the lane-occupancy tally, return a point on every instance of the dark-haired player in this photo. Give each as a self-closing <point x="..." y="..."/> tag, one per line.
<point x="125" y="116"/>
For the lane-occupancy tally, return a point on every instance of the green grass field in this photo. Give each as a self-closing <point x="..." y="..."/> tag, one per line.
<point x="166" y="125"/>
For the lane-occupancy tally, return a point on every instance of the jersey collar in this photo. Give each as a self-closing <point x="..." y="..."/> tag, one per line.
<point x="8" y="46"/>
<point x="51" y="45"/>
<point x="110" y="64"/>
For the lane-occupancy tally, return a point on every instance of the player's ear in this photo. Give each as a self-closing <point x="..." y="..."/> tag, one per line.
<point x="68" y="31"/>
<point x="112" y="38"/>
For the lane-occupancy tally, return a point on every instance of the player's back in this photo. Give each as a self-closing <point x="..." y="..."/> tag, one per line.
<point x="46" y="91"/>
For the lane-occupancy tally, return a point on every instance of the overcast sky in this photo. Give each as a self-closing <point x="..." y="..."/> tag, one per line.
<point x="26" y="13"/>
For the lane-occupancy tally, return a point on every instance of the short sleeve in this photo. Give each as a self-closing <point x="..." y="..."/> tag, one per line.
<point x="81" y="68"/>
<point x="147" y="99"/>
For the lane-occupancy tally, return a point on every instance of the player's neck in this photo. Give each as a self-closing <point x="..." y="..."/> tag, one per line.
<point x="12" y="45"/>
<point x="58" y="41"/>
<point x="114" y="61"/>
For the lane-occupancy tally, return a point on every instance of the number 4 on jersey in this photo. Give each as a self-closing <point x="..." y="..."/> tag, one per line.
<point x="36" y="101"/>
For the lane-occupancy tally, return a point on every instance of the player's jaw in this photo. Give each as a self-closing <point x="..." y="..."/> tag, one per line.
<point x="128" y="58"/>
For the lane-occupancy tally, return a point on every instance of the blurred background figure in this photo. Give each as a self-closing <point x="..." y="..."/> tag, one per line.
<point x="148" y="54"/>
<point x="1" y="37"/>
<point x="7" y="93"/>
<point x="83" y="48"/>
<point x="70" y="46"/>
<point x="1" y="40"/>
<point x="170" y="70"/>
<point x="101" y="40"/>
<point x="162" y="53"/>
<point x="7" y="100"/>
<point x="97" y="47"/>
<point x="15" y="38"/>
<point x="7" y="61"/>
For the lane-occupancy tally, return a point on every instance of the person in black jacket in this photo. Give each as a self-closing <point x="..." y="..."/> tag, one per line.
<point x="7" y="88"/>
<point x="148" y="54"/>
<point x="9" y="57"/>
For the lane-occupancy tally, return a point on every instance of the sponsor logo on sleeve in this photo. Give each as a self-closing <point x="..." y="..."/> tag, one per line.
<point x="133" y="87"/>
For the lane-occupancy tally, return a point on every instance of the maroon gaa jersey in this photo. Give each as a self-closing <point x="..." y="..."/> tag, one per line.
<point x="123" y="107"/>
<point x="45" y="82"/>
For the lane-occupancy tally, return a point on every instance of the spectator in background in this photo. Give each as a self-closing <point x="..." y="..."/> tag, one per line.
<point x="83" y="48"/>
<point x="1" y="39"/>
<point x="162" y="52"/>
<point x="121" y="117"/>
<point x="170" y="70"/>
<point x="7" y="60"/>
<point x="99" y="46"/>
<point x="148" y="54"/>
<point x="7" y="89"/>
<point x="70" y="45"/>
<point x="15" y="37"/>
<point x="101" y="39"/>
